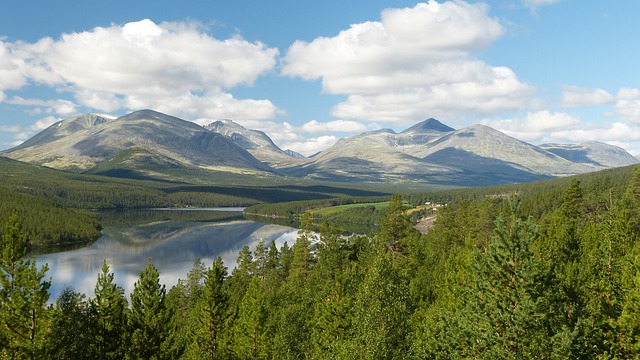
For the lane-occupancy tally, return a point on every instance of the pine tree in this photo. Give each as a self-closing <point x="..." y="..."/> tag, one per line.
<point x="110" y="307"/>
<point x="381" y="313"/>
<point x="149" y="318"/>
<point x="24" y="319"/>
<point x="250" y="338"/>
<point x="212" y="312"/>
<point x="395" y="228"/>
<point x="74" y="328"/>
<point x="302" y="258"/>
<point x="183" y="300"/>
<point x="504" y="315"/>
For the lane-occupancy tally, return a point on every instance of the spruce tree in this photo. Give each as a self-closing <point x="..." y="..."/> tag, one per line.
<point x="381" y="313"/>
<point x="505" y="314"/>
<point x="250" y="337"/>
<point x="110" y="307"/>
<point x="149" y="318"/>
<point x="212" y="312"/>
<point x="74" y="330"/>
<point x="24" y="319"/>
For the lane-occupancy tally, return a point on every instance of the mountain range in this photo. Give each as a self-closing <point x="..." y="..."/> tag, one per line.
<point x="149" y="143"/>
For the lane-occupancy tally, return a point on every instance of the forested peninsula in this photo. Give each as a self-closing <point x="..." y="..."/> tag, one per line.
<point x="545" y="270"/>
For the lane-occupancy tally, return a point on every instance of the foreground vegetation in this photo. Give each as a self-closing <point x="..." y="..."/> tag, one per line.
<point x="547" y="274"/>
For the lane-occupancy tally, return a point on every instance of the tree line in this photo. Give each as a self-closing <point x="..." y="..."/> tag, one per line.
<point x="54" y="206"/>
<point x="496" y="278"/>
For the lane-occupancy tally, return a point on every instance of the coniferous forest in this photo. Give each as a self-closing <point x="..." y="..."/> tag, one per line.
<point x="520" y="275"/>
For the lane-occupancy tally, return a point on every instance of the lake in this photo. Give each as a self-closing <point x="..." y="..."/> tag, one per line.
<point x="172" y="239"/>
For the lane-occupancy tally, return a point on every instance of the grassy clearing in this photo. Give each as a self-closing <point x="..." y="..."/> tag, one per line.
<point x="332" y="210"/>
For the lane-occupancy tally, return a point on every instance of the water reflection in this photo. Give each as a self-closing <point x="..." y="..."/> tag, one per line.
<point x="171" y="241"/>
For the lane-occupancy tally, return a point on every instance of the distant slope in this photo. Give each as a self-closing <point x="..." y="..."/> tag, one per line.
<point x="255" y="142"/>
<point x="485" y="142"/>
<point x="144" y="139"/>
<point x="592" y="152"/>
<point x="150" y="145"/>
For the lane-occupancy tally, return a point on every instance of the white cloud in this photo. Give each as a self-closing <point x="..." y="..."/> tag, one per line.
<point x="10" y="128"/>
<point x="415" y="62"/>
<point x="573" y="97"/>
<point x="21" y="133"/>
<point x="311" y="146"/>
<point x="340" y="126"/>
<point x="43" y="123"/>
<point x="143" y="64"/>
<point x="628" y="104"/>
<point x="214" y="104"/>
<point x="288" y="136"/>
<point x="12" y="67"/>
<point x="548" y="127"/>
<point x="536" y="126"/>
<point x="625" y="135"/>
<point x="56" y="106"/>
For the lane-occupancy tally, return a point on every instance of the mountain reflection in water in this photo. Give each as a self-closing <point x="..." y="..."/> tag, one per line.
<point x="171" y="240"/>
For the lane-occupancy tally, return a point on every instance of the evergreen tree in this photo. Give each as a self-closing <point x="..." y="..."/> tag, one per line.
<point x="628" y="323"/>
<point x="110" y="308"/>
<point x="24" y="319"/>
<point x="633" y="188"/>
<point x="396" y="228"/>
<point x="381" y="313"/>
<point x="241" y="277"/>
<point x="183" y="300"/>
<point x="505" y="313"/>
<point x="149" y="318"/>
<point x="73" y="334"/>
<point x="250" y="337"/>
<point x="212" y="312"/>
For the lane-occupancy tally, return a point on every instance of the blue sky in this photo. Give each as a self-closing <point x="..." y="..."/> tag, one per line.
<point x="308" y="73"/>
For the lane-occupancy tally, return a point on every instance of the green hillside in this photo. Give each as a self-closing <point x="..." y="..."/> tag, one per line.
<point x="544" y="270"/>
<point x="53" y="205"/>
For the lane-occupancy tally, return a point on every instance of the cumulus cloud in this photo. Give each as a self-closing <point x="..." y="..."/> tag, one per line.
<point x="624" y="135"/>
<point x="628" y="104"/>
<point x="339" y="126"/>
<point x="13" y="68"/>
<point x="22" y="133"/>
<point x="143" y="64"/>
<point x="57" y="106"/>
<point x="311" y="146"/>
<point x="534" y="126"/>
<point x="323" y="134"/>
<point x="573" y="97"/>
<point x="415" y="62"/>
<point x="557" y="127"/>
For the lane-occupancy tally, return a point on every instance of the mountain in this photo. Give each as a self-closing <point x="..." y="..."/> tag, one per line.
<point x="377" y="156"/>
<point x="433" y="152"/>
<point x="488" y="143"/>
<point x="151" y="144"/>
<point x="257" y="143"/>
<point x="592" y="152"/>
<point x="144" y="139"/>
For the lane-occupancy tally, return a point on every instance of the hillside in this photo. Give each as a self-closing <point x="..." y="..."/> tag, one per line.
<point x="143" y="140"/>
<point x="547" y="269"/>
<point x="150" y="145"/>
<point x="54" y="205"/>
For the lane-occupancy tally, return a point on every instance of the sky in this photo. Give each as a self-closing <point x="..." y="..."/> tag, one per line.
<point x="310" y="72"/>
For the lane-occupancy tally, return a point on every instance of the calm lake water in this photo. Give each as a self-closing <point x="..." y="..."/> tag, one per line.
<point x="172" y="239"/>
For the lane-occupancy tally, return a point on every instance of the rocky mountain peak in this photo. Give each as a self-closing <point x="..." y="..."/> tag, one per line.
<point x="430" y="124"/>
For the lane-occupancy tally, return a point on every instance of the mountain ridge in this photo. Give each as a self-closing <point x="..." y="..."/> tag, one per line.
<point x="150" y="143"/>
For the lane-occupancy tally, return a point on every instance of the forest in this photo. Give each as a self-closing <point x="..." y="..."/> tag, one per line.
<point x="56" y="207"/>
<point x="544" y="271"/>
